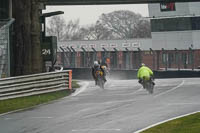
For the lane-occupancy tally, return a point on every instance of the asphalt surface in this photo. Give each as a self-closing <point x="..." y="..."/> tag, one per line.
<point x="123" y="107"/>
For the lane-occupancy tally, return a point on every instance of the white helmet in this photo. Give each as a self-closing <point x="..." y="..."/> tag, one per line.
<point x="142" y="64"/>
<point x="96" y="63"/>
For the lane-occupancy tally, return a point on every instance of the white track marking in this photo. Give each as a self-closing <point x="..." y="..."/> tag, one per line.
<point x="171" y="104"/>
<point x="40" y="117"/>
<point x="86" y="130"/>
<point x="83" y="88"/>
<point x="165" y="121"/>
<point x="31" y="118"/>
<point x="183" y="81"/>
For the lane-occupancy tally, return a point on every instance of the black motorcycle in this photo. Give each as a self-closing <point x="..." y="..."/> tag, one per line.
<point x="100" y="79"/>
<point x="148" y="84"/>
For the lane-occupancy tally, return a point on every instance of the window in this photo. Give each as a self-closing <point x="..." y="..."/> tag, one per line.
<point x="171" y="57"/>
<point x="171" y="24"/>
<point x="195" y="23"/>
<point x="164" y="58"/>
<point x="175" y="24"/>
<point x="176" y="58"/>
<point x="184" y="58"/>
<point x="190" y="58"/>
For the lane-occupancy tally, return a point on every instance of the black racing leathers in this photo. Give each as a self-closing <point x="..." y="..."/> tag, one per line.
<point x="95" y="69"/>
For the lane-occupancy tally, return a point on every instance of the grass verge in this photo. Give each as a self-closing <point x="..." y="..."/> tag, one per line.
<point x="187" y="124"/>
<point x="75" y="84"/>
<point x="25" y="102"/>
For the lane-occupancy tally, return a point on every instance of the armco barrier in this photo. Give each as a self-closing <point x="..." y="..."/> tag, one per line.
<point x="85" y="73"/>
<point x="35" y="84"/>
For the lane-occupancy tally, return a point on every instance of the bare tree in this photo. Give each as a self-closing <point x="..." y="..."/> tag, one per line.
<point x="56" y="27"/>
<point x="123" y="24"/>
<point x="143" y="29"/>
<point x="72" y="30"/>
<point x="101" y="32"/>
<point x="95" y="32"/>
<point x="85" y="33"/>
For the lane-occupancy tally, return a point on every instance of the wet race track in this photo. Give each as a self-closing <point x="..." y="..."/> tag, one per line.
<point x="123" y="107"/>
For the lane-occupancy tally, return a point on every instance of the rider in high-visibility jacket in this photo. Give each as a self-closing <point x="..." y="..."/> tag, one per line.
<point x="144" y="72"/>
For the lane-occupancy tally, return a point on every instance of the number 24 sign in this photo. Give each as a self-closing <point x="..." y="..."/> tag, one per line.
<point x="46" y="51"/>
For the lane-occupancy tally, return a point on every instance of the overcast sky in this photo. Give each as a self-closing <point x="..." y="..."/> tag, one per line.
<point x="89" y="14"/>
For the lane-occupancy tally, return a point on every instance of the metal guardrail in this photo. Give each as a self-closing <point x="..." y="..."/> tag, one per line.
<point x="35" y="84"/>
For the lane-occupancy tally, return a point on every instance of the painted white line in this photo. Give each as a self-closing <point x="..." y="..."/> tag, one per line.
<point x="183" y="81"/>
<point x="165" y="121"/>
<point x="31" y="118"/>
<point x="171" y="104"/>
<point x="40" y="117"/>
<point x="86" y="130"/>
<point x="8" y="118"/>
<point x="82" y="89"/>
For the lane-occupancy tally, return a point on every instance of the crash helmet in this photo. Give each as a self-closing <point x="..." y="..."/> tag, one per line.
<point x="142" y="64"/>
<point x="96" y="63"/>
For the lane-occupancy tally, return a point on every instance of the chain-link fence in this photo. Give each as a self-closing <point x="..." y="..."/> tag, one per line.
<point x="5" y="48"/>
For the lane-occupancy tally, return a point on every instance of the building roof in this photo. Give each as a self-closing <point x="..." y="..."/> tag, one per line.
<point x="106" y="45"/>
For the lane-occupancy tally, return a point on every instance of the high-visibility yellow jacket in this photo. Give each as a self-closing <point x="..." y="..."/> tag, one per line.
<point x="144" y="71"/>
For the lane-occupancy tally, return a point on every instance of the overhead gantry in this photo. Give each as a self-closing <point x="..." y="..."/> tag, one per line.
<point x="99" y="2"/>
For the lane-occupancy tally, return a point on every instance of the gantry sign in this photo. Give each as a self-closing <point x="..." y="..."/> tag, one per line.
<point x="92" y="2"/>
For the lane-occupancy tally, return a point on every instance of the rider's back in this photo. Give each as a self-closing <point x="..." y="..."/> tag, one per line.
<point x="144" y="72"/>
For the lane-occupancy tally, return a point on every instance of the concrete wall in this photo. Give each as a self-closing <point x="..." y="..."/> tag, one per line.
<point x="85" y="74"/>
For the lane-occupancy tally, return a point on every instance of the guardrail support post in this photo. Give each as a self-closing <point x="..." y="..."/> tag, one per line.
<point x="70" y="79"/>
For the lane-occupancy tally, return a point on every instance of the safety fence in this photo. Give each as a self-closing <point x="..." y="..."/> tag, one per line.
<point x="35" y="84"/>
<point x="130" y="59"/>
<point x="5" y="38"/>
<point x="86" y="74"/>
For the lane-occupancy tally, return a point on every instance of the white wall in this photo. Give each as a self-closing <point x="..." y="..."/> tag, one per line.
<point x="194" y="8"/>
<point x="196" y="39"/>
<point x="172" y="40"/>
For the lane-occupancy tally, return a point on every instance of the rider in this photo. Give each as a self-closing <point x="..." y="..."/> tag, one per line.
<point x="104" y="67"/>
<point x="95" y="68"/>
<point x="145" y="71"/>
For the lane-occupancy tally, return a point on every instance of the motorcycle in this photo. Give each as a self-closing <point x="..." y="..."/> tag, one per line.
<point x="148" y="84"/>
<point x="100" y="79"/>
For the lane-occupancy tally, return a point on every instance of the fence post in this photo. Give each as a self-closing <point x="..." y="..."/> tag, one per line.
<point x="165" y="58"/>
<point x="151" y="50"/>
<point x="140" y="56"/>
<point x="178" y="56"/>
<point x="70" y="79"/>
<point x="191" y="57"/>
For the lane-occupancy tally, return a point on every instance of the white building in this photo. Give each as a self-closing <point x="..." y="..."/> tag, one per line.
<point x="175" y="25"/>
